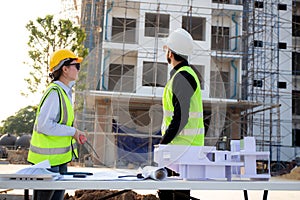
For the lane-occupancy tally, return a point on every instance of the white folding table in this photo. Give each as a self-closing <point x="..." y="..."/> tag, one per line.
<point x="167" y="184"/>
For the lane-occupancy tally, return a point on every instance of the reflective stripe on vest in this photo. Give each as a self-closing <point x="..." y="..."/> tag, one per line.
<point x="191" y="114"/>
<point x="57" y="149"/>
<point x="51" y="151"/>
<point x="193" y="132"/>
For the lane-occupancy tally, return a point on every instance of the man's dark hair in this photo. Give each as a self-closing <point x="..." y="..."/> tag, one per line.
<point x="179" y="57"/>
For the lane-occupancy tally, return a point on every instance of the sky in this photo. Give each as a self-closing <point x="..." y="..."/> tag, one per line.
<point x="14" y="15"/>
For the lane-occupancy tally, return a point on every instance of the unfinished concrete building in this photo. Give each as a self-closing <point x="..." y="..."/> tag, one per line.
<point x="243" y="49"/>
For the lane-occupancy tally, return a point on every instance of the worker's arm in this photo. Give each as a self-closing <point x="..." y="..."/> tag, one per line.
<point x="184" y="86"/>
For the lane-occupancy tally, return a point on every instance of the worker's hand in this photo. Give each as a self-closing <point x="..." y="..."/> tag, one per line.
<point x="80" y="137"/>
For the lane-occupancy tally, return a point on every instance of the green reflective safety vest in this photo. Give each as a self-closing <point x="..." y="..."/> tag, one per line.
<point x="193" y="132"/>
<point x="57" y="149"/>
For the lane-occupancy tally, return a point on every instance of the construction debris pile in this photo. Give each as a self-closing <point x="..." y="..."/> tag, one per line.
<point x="18" y="156"/>
<point x="294" y="174"/>
<point x="100" y="194"/>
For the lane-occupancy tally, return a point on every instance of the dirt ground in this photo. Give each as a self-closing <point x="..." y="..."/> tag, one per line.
<point x="294" y="174"/>
<point x="98" y="194"/>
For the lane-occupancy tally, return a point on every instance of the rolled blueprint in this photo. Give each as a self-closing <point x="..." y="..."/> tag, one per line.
<point x="155" y="173"/>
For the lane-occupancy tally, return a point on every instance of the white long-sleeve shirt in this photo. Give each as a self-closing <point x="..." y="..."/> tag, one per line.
<point x="50" y="114"/>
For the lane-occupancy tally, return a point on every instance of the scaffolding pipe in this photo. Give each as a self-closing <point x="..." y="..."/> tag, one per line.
<point x="91" y="33"/>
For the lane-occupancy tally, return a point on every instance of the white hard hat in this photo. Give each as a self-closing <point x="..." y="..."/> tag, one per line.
<point x="180" y="42"/>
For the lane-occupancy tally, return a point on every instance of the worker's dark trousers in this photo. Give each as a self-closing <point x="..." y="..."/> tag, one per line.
<point x="51" y="194"/>
<point x="174" y="194"/>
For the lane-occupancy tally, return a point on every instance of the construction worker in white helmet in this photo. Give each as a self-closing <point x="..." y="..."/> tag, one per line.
<point x="54" y="138"/>
<point x="182" y="102"/>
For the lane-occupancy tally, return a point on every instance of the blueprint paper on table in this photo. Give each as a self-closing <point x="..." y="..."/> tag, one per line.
<point x="155" y="173"/>
<point x="43" y="164"/>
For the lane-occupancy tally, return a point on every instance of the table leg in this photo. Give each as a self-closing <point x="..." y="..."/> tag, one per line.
<point x="245" y="194"/>
<point x="265" y="197"/>
<point x="26" y="194"/>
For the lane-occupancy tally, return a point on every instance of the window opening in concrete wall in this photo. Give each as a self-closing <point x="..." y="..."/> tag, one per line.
<point x="282" y="6"/>
<point x="258" y="43"/>
<point x="220" y="38"/>
<point x="121" y="78"/>
<point x="155" y="74"/>
<point x="195" y="26"/>
<point x="123" y="30"/>
<point x="257" y="83"/>
<point x="281" y="45"/>
<point x="295" y="63"/>
<point x="259" y="4"/>
<point x="157" y="25"/>
<point x="281" y="85"/>
<point x="219" y="84"/>
<point x="296" y="102"/>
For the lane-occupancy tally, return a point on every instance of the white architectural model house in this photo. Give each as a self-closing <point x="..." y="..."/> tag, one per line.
<point x="205" y="162"/>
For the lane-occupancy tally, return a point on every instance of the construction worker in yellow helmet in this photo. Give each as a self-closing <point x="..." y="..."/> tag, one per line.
<point x="54" y="137"/>
<point x="182" y="102"/>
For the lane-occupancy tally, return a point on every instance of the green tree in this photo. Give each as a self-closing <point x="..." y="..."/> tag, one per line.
<point x="20" y="123"/>
<point x="47" y="36"/>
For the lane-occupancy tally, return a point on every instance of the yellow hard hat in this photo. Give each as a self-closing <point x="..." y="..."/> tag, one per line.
<point x="58" y="57"/>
